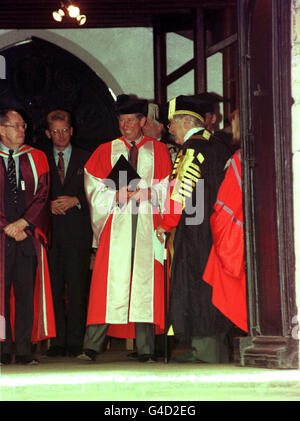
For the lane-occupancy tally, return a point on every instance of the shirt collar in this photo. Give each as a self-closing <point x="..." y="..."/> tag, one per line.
<point x="137" y="141"/>
<point x="191" y="132"/>
<point x="66" y="152"/>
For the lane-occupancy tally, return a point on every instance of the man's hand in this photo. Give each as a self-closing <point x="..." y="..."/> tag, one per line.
<point x="16" y="228"/>
<point x="142" y="195"/>
<point x="160" y="234"/>
<point x="56" y="208"/>
<point x="62" y="204"/>
<point x="67" y="202"/>
<point x="123" y="195"/>
<point x="21" y="236"/>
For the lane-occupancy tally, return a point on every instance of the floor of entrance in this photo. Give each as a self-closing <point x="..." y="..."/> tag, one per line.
<point x="115" y="377"/>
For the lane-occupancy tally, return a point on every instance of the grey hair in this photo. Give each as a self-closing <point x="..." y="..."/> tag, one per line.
<point x="195" y="121"/>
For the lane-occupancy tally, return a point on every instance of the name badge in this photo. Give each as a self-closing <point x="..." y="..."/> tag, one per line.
<point x="23" y="185"/>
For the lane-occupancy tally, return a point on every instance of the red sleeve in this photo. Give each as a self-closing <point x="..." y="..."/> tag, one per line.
<point x="99" y="164"/>
<point x="163" y="168"/>
<point x="163" y="164"/>
<point x="173" y="210"/>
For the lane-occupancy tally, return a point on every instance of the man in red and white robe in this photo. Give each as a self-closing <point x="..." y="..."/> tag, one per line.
<point x="26" y="309"/>
<point x="127" y="288"/>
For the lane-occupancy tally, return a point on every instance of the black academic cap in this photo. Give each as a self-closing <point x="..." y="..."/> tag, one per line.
<point x="129" y="104"/>
<point x="196" y="105"/>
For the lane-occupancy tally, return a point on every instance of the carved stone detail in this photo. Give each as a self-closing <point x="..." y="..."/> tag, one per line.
<point x="267" y="351"/>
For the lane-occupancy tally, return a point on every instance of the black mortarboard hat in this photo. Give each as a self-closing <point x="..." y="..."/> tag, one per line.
<point x="196" y="105"/>
<point x="129" y="104"/>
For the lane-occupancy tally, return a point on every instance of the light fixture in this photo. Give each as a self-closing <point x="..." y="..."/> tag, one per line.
<point x="73" y="11"/>
<point x="81" y="19"/>
<point x="58" y="15"/>
<point x="70" y="10"/>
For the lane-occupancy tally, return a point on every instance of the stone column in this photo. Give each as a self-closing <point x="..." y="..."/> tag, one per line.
<point x="295" y="78"/>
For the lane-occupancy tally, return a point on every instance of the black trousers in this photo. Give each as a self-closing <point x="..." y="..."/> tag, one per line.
<point x="69" y="271"/>
<point x="20" y="272"/>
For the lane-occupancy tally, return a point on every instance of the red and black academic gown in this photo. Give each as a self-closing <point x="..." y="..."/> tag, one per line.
<point x="225" y="270"/>
<point x="35" y="173"/>
<point x="123" y="293"/>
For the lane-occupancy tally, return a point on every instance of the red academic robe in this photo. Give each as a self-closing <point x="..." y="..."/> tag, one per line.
<point x="35" y="172"/>
<point x="121" y="295"/>
<point x="225" y="270"/>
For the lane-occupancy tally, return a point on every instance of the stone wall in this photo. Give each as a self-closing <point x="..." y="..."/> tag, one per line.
<point x="123" y="57"/>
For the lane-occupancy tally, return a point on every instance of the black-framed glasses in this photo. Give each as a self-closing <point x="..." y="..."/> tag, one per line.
<point x="16" y="126"/>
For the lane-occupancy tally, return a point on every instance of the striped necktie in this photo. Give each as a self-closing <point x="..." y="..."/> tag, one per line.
<point x="12" y="176"/>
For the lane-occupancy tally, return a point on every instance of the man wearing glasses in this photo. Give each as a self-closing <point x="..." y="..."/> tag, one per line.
<point x="197" y="174"/>
<point x="69" y="253"/>
<point x="26" y="311"/>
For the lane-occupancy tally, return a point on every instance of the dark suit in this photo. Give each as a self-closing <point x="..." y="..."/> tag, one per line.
<point x="69" y="254"/>
<point x="20" y="267"/>
<point x="23" y="264"/>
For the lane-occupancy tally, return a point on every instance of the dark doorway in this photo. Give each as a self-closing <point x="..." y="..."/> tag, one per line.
<point x="43" y="76"/>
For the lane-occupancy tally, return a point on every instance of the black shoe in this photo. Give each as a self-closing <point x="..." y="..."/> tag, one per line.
<point x="5" y="359"/>
<point x="147" y="358"/>
<point x="26" y="360"/>
<point x="56" y="351"/>
<point x="88" y="355"/>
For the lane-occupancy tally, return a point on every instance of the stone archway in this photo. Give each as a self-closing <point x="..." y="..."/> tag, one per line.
<point x="42" y="76"/>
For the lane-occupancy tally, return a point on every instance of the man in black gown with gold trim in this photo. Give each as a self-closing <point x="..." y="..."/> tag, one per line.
<point x="196" y="177"/>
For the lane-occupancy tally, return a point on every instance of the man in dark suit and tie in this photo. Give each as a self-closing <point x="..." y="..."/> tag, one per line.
<point x="69" y="254"/>
<point x="26" y="310"/>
